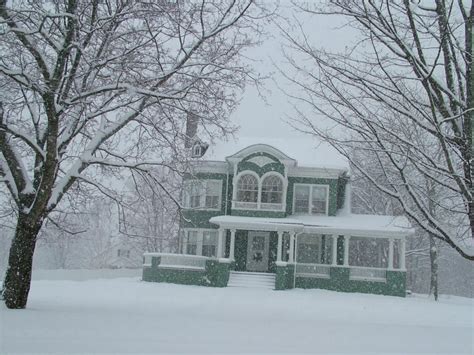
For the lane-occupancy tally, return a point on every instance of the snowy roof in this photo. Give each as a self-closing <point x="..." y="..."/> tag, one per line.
<point x="307" y="152"/>
<point x="350" y="224"/>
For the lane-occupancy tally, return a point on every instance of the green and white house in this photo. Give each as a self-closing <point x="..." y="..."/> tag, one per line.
<point x="259" y="218"/>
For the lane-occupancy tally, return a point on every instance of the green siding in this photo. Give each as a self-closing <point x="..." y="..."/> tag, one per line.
<point x="216" y="274"/>
<point x="341" y="190"/>
<point x="395" y="284"/>
<point x="284" y="278"/>
<point x="240" y="251"/>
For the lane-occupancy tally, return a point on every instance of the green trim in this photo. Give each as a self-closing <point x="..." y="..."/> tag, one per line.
<point x="260" y="170"/>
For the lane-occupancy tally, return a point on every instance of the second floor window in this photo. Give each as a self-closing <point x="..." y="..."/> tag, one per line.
<point x="247" y="188"/>
<point x="272" y="189"/>
<point x="202" y="194"/>
<point x="310" y="199"/>
<point x="213" y="194"/>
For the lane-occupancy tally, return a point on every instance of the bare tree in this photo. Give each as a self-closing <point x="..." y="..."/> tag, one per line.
<point x="402" y="94"/>
<point x="90" y="88"/>
<point x="150" y="216"/>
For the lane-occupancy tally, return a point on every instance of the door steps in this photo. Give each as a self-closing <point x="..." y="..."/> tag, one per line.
<point x="251" y="280"/>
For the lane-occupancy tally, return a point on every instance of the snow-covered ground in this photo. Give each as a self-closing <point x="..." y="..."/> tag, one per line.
<point x="125" y="315"/>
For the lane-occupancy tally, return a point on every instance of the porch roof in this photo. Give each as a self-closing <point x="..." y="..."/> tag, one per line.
<point x="349" y="224"/>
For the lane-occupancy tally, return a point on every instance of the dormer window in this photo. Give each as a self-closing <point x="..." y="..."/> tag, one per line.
<point x="197" y="151"/>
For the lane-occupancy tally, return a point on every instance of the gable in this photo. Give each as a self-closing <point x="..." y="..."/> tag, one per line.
<point x="261" y="163"/>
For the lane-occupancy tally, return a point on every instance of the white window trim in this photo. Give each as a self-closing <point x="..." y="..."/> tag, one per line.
<point x="259" y="195"/>
<point x="310" y="206"/>
<point x="200" y="239"/>
<point x="202" y="207"/>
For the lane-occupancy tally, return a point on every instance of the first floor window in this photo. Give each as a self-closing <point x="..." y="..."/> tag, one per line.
<point x="191" y="242"/>
<point x="309" y="249"/>
<point x="310" y="199"/>
<point x="202" y="242"/>
<point x="209" y="243"/>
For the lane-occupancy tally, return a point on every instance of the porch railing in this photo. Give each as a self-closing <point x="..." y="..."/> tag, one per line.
<point x="367" y="273"/>
<point x="177" y="261"/>
<point x="313" y="270"/>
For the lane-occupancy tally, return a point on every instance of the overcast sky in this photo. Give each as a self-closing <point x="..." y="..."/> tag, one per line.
<point x="257" y="118"/>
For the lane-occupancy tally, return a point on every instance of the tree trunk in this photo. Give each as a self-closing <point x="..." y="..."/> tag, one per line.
<point x="20" y="262"/>
<point x="434" y="268"/>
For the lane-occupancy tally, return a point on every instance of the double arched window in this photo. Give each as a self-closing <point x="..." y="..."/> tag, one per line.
<point x="260" y="193"/>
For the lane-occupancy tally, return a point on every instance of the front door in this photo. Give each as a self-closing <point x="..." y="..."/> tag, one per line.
<point x="257" y="251"/>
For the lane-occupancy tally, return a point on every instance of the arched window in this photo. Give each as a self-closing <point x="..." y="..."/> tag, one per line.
<point x="247" y="188"/>
<point x="272" y="189"/>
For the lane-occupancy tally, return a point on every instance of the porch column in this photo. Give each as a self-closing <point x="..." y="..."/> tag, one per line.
<point x="390" y="254"/>
<point x="292" y="248"/>
<point x="402" y="253"/>
<point x="220" y="243"/>
<point x="334" y="250"/>
<point x="347" y="239"/>
<point x="280" y="239"/>
<point x="232" y="244"/>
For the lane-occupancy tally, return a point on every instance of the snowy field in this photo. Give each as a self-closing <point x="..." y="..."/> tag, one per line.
<point x="125" y="315"/>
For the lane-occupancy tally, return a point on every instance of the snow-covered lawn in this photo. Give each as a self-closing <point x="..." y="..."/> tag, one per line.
<point x="125" y="315"/>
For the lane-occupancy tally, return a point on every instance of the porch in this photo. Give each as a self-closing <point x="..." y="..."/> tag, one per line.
<point x="301" y="253"/>
<point x="352" y="254"/>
